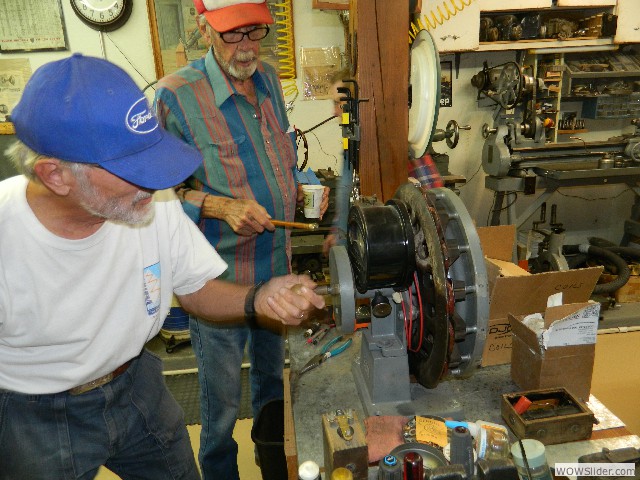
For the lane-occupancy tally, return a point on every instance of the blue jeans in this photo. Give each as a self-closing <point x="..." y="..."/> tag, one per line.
<point x="132" y="425"/>
<point x="219" y="351"/>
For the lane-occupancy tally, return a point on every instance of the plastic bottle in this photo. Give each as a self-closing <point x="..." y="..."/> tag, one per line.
<point x="491" y="440"/>
<point x="413" y="466"/>
<point x="389" y="468"/>
<point x="341" y="473"/>
<point x="536" y="459"/>
<point x="309" y="470"/>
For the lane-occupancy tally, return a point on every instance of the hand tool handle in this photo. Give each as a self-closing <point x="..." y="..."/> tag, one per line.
<point x="303" y="226"/>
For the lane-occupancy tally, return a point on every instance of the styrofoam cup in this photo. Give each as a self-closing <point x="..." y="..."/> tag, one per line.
<point x="312" y="200"/>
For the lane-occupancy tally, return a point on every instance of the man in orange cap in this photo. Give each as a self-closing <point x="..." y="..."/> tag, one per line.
<point x="229" y="105"/>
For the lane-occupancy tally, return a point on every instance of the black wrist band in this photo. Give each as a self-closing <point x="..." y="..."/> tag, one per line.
<point x="250" y="306"/>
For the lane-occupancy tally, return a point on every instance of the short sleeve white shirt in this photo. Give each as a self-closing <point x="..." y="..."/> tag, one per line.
<point x="74" y="310"/>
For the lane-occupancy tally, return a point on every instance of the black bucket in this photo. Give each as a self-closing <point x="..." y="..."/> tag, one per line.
<point x="268" y="435"/>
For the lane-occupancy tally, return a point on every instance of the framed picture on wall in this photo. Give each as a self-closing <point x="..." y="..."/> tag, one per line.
<point x="32" y="26"/>
<point x="176" y="39"/>
<point x="446" y="79"/>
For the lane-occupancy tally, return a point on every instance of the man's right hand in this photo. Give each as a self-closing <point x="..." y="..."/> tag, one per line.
<point x="245" y="217"/>
<point x="289" y="299"/>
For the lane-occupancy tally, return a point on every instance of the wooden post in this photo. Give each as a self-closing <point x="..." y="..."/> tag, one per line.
<point x="380" y="33"/>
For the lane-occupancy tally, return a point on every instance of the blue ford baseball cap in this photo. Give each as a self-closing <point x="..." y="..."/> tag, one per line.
<point x="88" y="110"/>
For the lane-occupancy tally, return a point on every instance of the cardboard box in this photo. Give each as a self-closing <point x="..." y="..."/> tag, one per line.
<point x="560" y="352"/>
<point x="516" y="291"/>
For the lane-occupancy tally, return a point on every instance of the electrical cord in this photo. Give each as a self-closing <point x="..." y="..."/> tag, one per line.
<point x="321" y="123"/>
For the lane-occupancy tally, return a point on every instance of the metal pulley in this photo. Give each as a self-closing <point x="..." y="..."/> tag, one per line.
<point x="424" y="93"/>
<point x="505" y="84"/>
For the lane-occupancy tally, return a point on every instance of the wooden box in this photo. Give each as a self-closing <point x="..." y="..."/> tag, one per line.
<point x="555" y="416"/>
<point x="629" y="292"/>
<point x="344" y="444"/>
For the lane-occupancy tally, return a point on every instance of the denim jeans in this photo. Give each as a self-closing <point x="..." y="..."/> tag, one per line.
<point x="132" y="425"/>
<point x="219" y="351"/>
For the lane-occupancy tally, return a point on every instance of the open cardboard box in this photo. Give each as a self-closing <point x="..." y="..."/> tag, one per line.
<point x="513" y="290"/>
<point x="560" y="353"/>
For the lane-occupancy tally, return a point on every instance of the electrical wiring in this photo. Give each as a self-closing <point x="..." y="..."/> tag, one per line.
<point x="409" y="322"/>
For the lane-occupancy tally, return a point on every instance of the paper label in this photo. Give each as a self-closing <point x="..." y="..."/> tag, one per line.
<point x="431" y="430"/>
<point x="580" y="328"/>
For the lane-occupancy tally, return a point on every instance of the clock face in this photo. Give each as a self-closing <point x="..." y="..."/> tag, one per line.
<point x="104" y="15"/>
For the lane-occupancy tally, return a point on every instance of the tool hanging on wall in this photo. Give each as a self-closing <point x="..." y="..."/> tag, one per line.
<point x="350" y="123"/>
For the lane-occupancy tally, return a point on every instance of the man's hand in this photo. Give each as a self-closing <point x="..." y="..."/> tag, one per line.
<point x="245" y="217"/>
<point x="289" y="299"/>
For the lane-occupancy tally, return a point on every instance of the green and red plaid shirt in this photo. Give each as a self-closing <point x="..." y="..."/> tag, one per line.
<point x="247" y="153"/>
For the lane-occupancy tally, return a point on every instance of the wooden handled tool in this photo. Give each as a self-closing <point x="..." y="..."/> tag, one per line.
<point x="303" y="226"/>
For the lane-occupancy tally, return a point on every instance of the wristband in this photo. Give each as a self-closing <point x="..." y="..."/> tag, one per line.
<point x="250" y="305"/>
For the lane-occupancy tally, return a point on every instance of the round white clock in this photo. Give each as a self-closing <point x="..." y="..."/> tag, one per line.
<point x="103" y="15"/>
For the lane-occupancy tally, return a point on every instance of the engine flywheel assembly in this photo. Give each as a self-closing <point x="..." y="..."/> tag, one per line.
<point x="453" y="281"/>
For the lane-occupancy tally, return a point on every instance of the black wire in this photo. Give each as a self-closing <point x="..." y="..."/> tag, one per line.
<point x="492" y="210"/>
<point x="627" y="189"/>
<point x="324" y="151"/>
<point x="300" y="136"/>
<point x="515" y="198"/>
<point x="472" y="176"/>
<point x="321" y="123"/>
<point x="493" y="204"/>
<point x="129" y="61"/>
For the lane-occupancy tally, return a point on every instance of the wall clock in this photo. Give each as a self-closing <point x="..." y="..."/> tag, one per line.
<point x="103" y="15"/>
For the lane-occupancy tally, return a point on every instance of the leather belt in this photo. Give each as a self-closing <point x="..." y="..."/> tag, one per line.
<point x="98" y="382"/>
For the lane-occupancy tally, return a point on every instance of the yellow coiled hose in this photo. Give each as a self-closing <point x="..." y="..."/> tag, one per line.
<point x="285" y="50"/>
<point x="437" y="16"/>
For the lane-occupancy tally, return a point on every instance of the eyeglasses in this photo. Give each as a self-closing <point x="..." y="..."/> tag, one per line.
<point x="234" y="36"/>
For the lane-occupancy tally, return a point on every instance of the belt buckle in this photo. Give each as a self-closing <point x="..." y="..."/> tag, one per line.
<point x="86" y="387"/>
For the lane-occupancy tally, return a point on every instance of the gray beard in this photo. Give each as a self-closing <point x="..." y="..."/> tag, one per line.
<point x="110" y="209"/>
<point x="235" y="71"/>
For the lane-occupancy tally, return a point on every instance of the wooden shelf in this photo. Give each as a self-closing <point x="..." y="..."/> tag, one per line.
<point x="7" y="128"/>
<point x="569" y="44"/>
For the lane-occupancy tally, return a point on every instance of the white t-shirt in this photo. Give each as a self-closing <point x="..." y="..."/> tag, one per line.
<point x="74" y="310"/>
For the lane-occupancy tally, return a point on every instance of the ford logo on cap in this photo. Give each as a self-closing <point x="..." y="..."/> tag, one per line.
<point x="140" y="119"/>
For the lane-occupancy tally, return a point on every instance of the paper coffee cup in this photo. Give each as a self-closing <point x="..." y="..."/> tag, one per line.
<point x="312" y="200"/>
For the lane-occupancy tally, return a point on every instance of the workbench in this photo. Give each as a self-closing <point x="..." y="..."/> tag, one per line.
<point x="331" y="386"/>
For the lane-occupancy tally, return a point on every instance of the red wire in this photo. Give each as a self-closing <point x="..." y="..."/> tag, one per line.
<point x="404" y="313"/>
<point x="415" y="282"/>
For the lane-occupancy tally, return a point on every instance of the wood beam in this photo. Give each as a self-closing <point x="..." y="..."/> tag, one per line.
<point x="382" y="70"/>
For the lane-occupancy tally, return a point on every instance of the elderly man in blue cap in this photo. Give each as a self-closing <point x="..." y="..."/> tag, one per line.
<point x="90" y="259"/>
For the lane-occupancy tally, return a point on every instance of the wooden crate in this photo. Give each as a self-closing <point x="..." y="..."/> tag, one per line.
<point x="628" y="293"/>
<point x="559" y="428"/>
